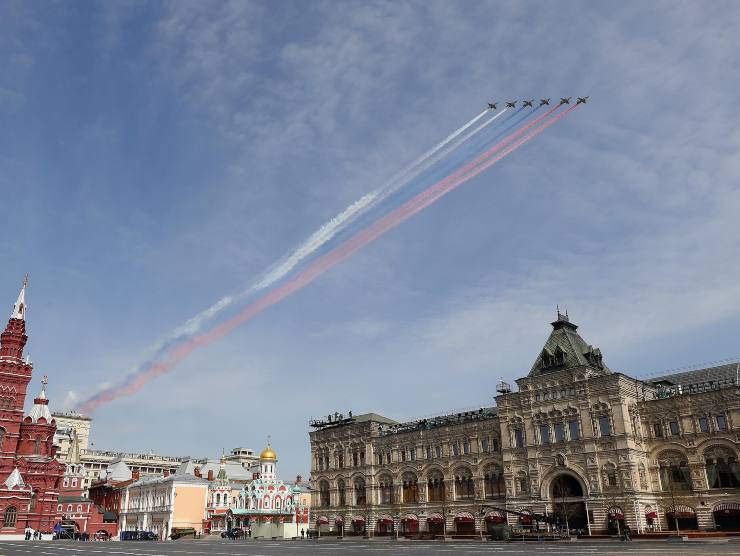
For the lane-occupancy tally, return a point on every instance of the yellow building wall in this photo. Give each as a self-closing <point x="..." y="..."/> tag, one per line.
<point x="189" y="506"/>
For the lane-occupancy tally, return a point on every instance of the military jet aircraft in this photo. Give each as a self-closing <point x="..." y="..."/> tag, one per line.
<point x="565" y="100"/>
<point x="511" y="104"/>
<point x="492" y="105"/>
<point x="582" y="100"/>
<point x="528" y="103"/>
<point x="544" y="101"/>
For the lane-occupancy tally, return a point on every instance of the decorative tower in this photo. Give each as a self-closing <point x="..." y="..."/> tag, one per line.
<point x="14" y="338"/>
<point x="268" y="461"/>
<point x="15" y="374"/>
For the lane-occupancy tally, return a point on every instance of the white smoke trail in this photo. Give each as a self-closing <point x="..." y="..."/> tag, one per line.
<point x="324" y="234"/>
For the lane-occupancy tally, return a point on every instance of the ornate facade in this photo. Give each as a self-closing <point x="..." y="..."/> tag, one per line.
<point x="595" y="448"/>
<point x="29" y="474"/>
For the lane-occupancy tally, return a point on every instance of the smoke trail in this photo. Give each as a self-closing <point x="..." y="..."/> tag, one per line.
<point x="333" y="257"/>
<point x="318" y="239"/>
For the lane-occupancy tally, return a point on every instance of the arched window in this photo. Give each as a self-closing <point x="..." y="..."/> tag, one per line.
<point x="410" y="488"/>
<point x="464" y="487"/>
<point x="722" y="468"/>
<point x="360" y="497"/>
<point x="37" y="446"/>
<point x="674" y="472"/>
<point x="493" y="482"/>
<point x="218" y="499"/>
<point x="10" y="516"/>
<point x="341" y="496"/>
<point x="324" y="494"/>
<point x="226" y="499"/>
<point x="386" y="489"/>
<point x="436" y="487"/>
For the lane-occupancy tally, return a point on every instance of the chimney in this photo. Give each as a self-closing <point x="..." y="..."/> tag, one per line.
<point x="196" y="472"/>
<point x="135" y="475"/>
<point x="210" y="474"/>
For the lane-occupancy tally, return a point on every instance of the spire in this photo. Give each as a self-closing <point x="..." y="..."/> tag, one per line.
<point x="13" y="339"/>
<point x="41" y="404"/>
<point x="19" y="309"/>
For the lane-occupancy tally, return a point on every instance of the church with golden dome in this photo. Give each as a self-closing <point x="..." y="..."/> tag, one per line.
<point x="267" y="505"/>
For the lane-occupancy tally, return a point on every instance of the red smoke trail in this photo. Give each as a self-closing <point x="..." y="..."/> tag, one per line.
<point x="335" y="256"/>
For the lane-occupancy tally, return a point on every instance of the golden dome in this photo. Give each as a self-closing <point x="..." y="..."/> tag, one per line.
<point x="268" y="454"/>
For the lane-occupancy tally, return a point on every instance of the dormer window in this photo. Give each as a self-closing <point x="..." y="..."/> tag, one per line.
<point x="548" y="360"/>
<point x="593" y="355"/>
<point x="560" y="355"/>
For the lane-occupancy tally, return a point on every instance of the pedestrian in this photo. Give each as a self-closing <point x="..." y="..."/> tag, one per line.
<point x="627" y="536"/>
<point x="303" y="533"/>
<point x="40" y="535"/>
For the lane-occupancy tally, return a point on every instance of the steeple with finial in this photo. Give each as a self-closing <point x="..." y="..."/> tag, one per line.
<point x="13" y="339"/>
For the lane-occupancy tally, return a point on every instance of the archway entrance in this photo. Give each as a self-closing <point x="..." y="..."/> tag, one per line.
<point x="727" y="516"/>
<point x="465" y="524"/>
<point x="436" y="524"/>
<point x="686" y="517"/>
<point x="568" y="506"/>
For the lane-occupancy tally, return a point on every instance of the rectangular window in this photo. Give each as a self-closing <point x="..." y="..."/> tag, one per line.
<point x="703" y="424"/>
<point x="554" y="394"/>
<point x="544" y="434"/>
<point x="79" y="508"/>
<point x="429" y="452"/>
<point x="604" y="429"/>
<point x="545" y="395"/>
<point x="66" y="483"/>
<point x="657" y="430"/>
<point x="495" y="444"/>
<point x="673" y="425"/>
<point x="388" y="457"/>
<point x="484" y="445"/>
<point x="563" y="393"/>
<point x="722" y="422"/>
<point x="574" y="431"/>
<point x="466" y="447"/>
<point x="412" y="453"/>
<point x="519" y="438"/>
<point x="559" y="432"/>
<point x="74" y="482"/>
<point x="536" y="397"/>
<point x="438" y="451"/>
<point x="59" y="508"/>
<point x="455" y="448"/>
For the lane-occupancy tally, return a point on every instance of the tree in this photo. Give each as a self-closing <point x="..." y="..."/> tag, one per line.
<point x="564" y="508"/>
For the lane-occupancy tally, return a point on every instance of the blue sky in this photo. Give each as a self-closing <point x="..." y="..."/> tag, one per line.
<point x="156" y="156"/>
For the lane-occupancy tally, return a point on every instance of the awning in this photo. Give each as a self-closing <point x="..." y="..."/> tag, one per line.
<point x="651" y="515"/>
<point x="465" y="517"/>
<point x="681" y="511"/>
<point x="728" y="509"/>
<point x="409" y="517"/>
<point x="616" y="513"/>
<point x="358" y="519"/>
<point x="495" y="516"/>
<point x="322" y="521"/>
<point x="526" y="517"/>
<point x="385" y="520"/>
<point x="435" y="518"/>
<point x="338" y="520"/>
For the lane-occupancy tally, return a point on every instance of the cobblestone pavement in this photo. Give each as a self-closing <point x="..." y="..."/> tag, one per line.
<point x="381" y="548"/>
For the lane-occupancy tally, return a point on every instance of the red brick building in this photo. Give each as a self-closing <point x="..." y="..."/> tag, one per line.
<point x="29" y="475"/>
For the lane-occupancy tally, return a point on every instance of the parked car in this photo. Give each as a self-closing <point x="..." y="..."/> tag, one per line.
<point x="148" y="536"/>
<point x="178" y="533"/>
<point x="234" y="533"/>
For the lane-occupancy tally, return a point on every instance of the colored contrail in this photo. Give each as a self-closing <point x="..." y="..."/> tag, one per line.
<point x="336" y="255"/>
<point x="320" y="237"/>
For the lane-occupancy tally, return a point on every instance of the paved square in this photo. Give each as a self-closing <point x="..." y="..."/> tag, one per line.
<point x="327" y="548"/>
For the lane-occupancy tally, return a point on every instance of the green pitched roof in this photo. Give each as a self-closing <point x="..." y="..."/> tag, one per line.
<point x="565" y="349"/>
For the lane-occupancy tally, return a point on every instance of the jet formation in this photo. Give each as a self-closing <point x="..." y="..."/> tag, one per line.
<point x="543" y="102"/>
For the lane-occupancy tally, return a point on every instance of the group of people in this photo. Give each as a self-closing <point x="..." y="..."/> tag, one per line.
<point x="37" y="535"/>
